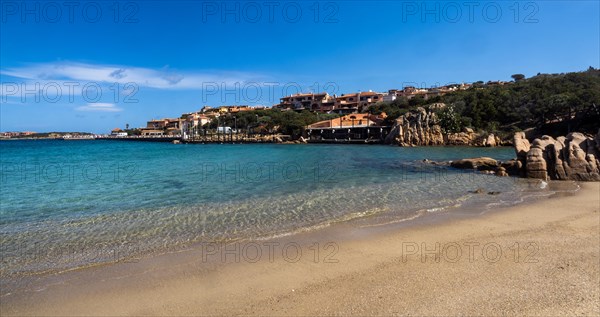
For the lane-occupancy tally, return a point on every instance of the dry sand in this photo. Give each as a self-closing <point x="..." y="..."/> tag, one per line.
<point x="549" y="265"/>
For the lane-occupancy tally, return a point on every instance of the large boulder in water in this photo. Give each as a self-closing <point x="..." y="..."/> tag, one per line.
<point x="479" y="163"/>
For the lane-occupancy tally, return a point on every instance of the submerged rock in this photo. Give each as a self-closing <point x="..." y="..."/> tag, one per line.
<point x="501" y="171"/>
<point x="477" y="191"/>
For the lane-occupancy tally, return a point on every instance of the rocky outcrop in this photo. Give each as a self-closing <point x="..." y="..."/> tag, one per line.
<point x="466" y="137"/>
<point x="574" y="157"/>
<point x="513" y="167"/>
<point x="536" y="164"/>
<point x="491" y="141"/>
<point x="419" y="127"/>
<point x="521" y="145"/>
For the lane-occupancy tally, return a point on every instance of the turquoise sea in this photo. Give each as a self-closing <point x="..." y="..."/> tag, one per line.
<point x="68" y="204"/>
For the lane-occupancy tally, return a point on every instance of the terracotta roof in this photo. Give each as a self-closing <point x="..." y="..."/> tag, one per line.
<point x="305" y="95"/>
<point x="310" y="94"/>
<point x="355" y="119"/>
<point x="369" y="93"/>
<point x="347" y="96"/>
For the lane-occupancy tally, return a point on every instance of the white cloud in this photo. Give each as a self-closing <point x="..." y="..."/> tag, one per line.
<point x="164" y="78"/>
<point x="99" y="107"/>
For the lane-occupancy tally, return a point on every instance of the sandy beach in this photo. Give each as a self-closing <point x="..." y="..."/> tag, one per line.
<point x="540" y="258"/>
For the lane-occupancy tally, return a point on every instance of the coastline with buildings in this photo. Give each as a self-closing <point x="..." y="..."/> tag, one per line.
<point x="350" y="119"/>
<point x="471" y="114"/>
<point x="299" y="158"/>
<point x="468" y="114"/>
<point x="452" y="115"/>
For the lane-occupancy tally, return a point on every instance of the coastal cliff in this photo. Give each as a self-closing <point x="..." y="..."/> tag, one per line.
<point x="571" y="157"/>
<point x="421" y="127"/>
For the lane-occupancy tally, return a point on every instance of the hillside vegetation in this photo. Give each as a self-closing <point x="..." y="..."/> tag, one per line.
<point x="554" y="104"/>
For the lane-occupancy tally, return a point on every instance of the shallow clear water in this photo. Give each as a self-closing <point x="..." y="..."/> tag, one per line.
<point x="67" y="204"/>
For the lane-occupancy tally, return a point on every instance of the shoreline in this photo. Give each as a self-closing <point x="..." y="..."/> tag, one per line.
<point x="169" y="139"/>
<point x="346" y="270"/>
<point x="377" y="218"/>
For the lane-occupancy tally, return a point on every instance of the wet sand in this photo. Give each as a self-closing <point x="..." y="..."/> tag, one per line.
<point x="540" y="258"/>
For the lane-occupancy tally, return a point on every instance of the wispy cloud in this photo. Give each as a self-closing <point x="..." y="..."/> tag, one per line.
<point x="99" y="107"/>
<point x="163" y="78"/>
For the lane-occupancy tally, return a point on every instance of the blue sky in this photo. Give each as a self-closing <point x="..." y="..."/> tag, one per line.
<point x="96" y="65"/>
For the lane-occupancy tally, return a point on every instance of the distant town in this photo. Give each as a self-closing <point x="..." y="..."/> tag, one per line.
<point x="340" y="106"/>
<point x="353" y="103"/>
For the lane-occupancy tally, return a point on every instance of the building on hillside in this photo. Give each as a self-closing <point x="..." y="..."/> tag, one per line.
<point x="321" y="102"/>
<point x="356" y="102"/>
<point x="236" y="109"/>
<point x="170" y="126"/>
<point x="230" y="109"/>
<point x="368" y="98"/>
<point x="346" y="103"/>
<point x="195" y="119"/>
<point x="194" y="122"/>
<point x="391" y="95"/>
<point x="410" y="92"/>
<point x="207" y="109"/>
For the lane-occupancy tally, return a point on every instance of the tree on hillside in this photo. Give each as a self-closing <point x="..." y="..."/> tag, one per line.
<point x="518" y="77"/>
<point x="450" y="121"/>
